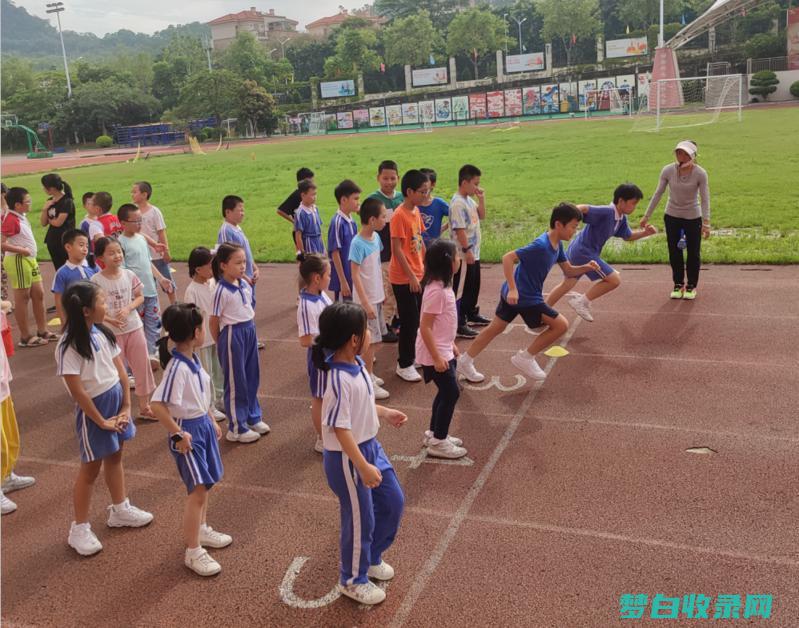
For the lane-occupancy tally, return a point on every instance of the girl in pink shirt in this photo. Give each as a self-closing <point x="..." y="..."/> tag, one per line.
<point x="435" y="346"/>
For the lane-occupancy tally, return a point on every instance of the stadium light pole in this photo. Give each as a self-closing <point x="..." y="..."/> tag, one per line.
<point x="660" y="34"/>
<point x="505" y="20"/>
<point x="519" y="24"/>
<point x="57" y="7"/>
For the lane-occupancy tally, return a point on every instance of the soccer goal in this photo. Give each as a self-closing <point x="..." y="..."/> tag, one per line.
<point x="317" y="124"/>
<point x="694" y="101"/>
<point x="608" y="99"/>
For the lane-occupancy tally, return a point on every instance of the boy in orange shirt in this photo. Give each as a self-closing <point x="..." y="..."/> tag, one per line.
<point x="406" y="267"/>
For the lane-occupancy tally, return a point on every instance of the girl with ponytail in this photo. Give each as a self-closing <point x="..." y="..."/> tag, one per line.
<point x="58" y="215"/>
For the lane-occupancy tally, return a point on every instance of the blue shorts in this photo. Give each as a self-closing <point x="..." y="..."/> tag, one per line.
<point x="531" y="314"/>
<point x="316" y="378"/>
<point x="202" y="464"/>
<point x="578" y="258"/>
<point x="94" y="442"/>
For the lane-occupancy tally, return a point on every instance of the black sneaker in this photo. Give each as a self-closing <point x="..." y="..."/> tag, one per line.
<point x="464" y="331"/>
<point x="478" y="320"/>
<point x="390" y="337"/>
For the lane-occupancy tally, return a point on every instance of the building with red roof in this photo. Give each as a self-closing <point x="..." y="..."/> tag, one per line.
<point x="268" y="28"/>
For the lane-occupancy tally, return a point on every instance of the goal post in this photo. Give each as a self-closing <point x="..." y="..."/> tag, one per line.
<point x="317" y="124"/>
<point x="608" y="99"/>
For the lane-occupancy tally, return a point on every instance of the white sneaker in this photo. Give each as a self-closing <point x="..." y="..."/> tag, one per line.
<point x="527" y="365"/>
<point x="465" y="368"/>
<point x="444" y="449"/>
<point x="452" y="439"/>
<point x="6" y="505"/>
<point x="260" y="427"/>
<point x="250" y="436"/>
<point x="217" y="415"/>
<point x="126" y="515"/>
<point x="211" y="538"/>
<point x="202" y="564"/>
<point x="319" y="446"/>
<point x="82" y="539"/>
<point x="409" y="374"/>
<point x="582" y="306"/>
<point x="16" y="482"/>
<point x="377" y="381"/>
<point x="131" y="382"/>
<point x="368" y="593"/>
<point x="383" y="571"/>
<point x="381" y="393"/>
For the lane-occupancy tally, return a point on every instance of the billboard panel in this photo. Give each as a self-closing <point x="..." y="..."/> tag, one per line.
<point x="524" y="63"/>
<point x="429" y="76"/>
<point x="633" y="47"/>
<point x="337" y="89"/>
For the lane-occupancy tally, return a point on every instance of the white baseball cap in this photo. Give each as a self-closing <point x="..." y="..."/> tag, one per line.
<point x="687" y="146"/>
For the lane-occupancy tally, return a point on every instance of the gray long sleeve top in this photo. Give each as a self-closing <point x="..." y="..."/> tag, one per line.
<point x="684" y="193"/>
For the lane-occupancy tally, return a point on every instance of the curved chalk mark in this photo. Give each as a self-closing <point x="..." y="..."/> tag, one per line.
<point x="495" y="382"/>
<point x="287" y="588"/>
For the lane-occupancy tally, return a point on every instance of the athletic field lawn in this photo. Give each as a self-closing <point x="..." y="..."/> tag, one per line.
<point x="753" y="168"/>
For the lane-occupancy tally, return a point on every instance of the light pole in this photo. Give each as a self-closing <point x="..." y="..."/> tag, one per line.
<point x="660" y="34"/>
<point x="519" y="24"/>
<point x="282" y="44"/>
<point x="505" y="20"/>
<point x="57" y="7"/>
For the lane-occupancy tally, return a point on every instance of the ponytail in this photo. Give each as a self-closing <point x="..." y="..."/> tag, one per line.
<point x="163" y="351"/>
<point x="180" y="320"/>
<point x="54" y="181"/>
<point x="223" y="253"/>
<point x="80" y="295"/>
<point x="338" y="323"/>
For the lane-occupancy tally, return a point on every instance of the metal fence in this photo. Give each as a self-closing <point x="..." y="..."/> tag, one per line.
<point x="775" y="64"/>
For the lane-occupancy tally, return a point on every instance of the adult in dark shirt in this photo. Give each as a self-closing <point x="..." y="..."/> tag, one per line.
<point x="287" y="208"/>
<point x="58" y="215"/>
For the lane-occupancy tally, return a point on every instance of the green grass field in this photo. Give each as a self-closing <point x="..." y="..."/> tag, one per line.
<point x="526" y="169"/>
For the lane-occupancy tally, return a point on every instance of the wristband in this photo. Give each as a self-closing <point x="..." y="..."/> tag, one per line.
<point x="467" y="249"/>
<point x="176" y="437"/>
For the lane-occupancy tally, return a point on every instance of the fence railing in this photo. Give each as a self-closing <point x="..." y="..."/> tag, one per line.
<point x="775" y="64"/>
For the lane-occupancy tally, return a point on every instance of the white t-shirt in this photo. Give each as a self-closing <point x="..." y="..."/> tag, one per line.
<point x="202" y="295"/>
<point x="18" y="232"/>
<point x="309" y="310"/>
<point x="152" y="221"/>
<point x="120" y="293"/>
<point x="349" y="403"/>
<point x="366" y="254"/>
<point x="185" y="388"/>
<point x="93" y="228"/>
<point x="98" y="374"/>
<point x="233" y="304"/>
<point x="463" y="215"/>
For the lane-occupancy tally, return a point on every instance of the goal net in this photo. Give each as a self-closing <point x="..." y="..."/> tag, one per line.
<point x="317" y="124"/>
<point x="608" y="100"/>
<point x="686" y="102"/>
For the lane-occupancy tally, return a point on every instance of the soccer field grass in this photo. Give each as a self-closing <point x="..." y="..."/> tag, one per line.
<point x="528" y="168"/>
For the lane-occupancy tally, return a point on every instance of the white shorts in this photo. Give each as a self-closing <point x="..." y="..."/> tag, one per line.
<point x="377" y="325"/>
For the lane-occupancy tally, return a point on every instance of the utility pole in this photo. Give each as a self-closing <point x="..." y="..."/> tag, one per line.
<point x="519" y="24"/>
<point x="208" y="46"/>
<point x="505" y="21"/>
<point x="282" y="46"/>
<point x="661" y="40"/>
<point x="57" y="7"/>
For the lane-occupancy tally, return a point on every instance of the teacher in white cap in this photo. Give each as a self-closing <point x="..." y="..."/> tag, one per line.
<point x="687" y="215"/>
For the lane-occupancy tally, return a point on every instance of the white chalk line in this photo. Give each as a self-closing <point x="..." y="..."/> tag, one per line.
<point x="422" y="577"/>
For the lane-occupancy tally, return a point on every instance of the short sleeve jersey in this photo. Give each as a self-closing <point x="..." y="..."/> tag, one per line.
<point x="152" y="221"/>
<point x="185" y="388"/>
<point x="340" y="233"/>
<point x="407" y="226"/>
<point x="366" y="253"/>
<point x="98" y="374"/>
<point x="432" y="216"/>
<point x="233" y="303"/>
<point x="202" y="295"/>
<point x="68" y="274"/>
<point x="17" y="230"/>
<point x="349" y="403"/>
<point x="463" y="215"/>
<point x="535" y="261"/>
<point x="309" y="310"/>
<point x="64" y="205"/>
<point x="92" y="228"/>
<point x="111" y="224"/>
<point x="235" y="234"/>
<point x="439" y="301"/>
<point x="308" y="222"/>
<point x="602" y="222"/>
<point x="137" y="259"/>
<point x="391" y="203"/>
<point x="290" y="205"/>
<point x="120" y="293"/>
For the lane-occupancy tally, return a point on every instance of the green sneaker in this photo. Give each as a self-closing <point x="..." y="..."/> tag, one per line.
<point x="689" y="294"/>
<point x="677" y="293"/>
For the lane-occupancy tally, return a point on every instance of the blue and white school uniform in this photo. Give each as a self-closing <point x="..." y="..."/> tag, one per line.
<point x="309" y="310"/>
<point x="186" y="390"/>
<point x="238" y="353"/>
<point x="100" y="379"/>
<point x="70" y="273"/>
<point x="602" y="222"/>
<point x="340" y="234"/>
<point x="370" y="518"/>
<point x="308" y="222"/>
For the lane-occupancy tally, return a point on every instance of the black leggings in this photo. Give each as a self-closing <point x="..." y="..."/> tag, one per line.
<point x="445" y="400"/>
<point x="58" y="254"/>
<point x="409" y="307"/>
<point x="693" y="243"/>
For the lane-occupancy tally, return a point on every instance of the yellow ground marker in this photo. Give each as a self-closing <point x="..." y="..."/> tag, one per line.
<point x="556" y="351"/>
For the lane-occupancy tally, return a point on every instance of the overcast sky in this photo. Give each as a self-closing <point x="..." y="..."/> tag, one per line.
<point x="148" y="16"/>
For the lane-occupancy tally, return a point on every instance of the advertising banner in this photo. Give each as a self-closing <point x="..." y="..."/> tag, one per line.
<point x="377" y="116"/>
<point x="477" y="106"/>
<point x="568" y="97"/>
<point x="513" y="102"/>
<point x="337" y="89"/>
<point x="443" y="110"/>
<point x="394" y="114"/>
<point x="427" y="111"/>
<point x="460" y="107"/>
<point x="344" y="120"/>
<point x="361" y="118"/>
<point x="410" y="113"/>
<point x="496" y="104"/>
<point x="531" y="100"/>
<point x="429" y="76"/>
<point x="550" y="101"/>
<point x="524" y="63"/>
<point x="634" y="47"/>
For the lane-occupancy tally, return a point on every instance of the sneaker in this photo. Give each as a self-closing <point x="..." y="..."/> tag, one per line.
<point x="368" y="593"/>
<point x="377" y="381"/>
<point x="218" y="415"/>
<point x="155" y="363"/>
<point x="444" y="449"/>
<point x="127" y="515"/>
<point x="383" y="571"/>
<point x="82" y="539"/>
<point x="319" y="446"/>
<point x="478" y="320"/>
<point x="381" y="393"/>
<point x="261" y="427"/>
<point x="409" y="374"/>
<point x="131" y="382"/>
<point x="261" y="345"/>
<point x="689" y="294"/>
<point x="527" y="365"/>
<point x="677" y="292"/>
<point x="452" y="439"/>
<point x="211" y="538"/>
<point x="250" y="436"/>
<point x="465" y="368"/>
<point x="202" y="564"/>
<point x="464" y="331"/>
<point x="16" y="482"/>
<point x="390" y="337"/>
<point x="582" y="306"/>
<point x="6" y="505"/>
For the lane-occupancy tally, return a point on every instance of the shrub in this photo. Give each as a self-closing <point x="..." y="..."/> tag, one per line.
<point x="765" y="45"/>
<point x="794" y="89"/>
<point x="763" y="83"/>
<point x="213" y="133"/>
<point x="104" y="142"/>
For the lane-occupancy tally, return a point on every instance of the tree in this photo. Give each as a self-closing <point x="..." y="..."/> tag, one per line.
<point x="441" y="12"/>
<point x="257" y="107"/>
<point x="641" y="14"/>
<point x="568" y="21"/>
<point x="307" y="56"/>
<point x="354" y="53"/>
<point x="763" y="83"/>
<point x="209" y="94"/>
<point x="246" y="58"/>
<point x="475" y="32"/>
<point x="17" y="75"/>
<point x="410" y="40"/>
<point x="764" y="45"/>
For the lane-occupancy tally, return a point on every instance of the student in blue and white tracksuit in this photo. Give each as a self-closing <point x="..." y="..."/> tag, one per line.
<point x="357" y="468"/>
<point x="315" y="278"/>
<point x="182" y="403"/>
<point x="233" y="329"/>
<point x="89" y="360"/>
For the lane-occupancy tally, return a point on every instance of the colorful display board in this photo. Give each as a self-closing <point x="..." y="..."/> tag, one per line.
<point x="427" y="111"/>
<point x="477" y="106"/>
<point x="394" y="115"/>
<point x="460" y="107"/>
<point x="443" y="110"/>
<point x="632" y="47"/>
<point x="337" y="89"/>
<point x="495" y="104"/>
<point x="410" y="113"/>
<point x="377" y="116"/>
<point x="429" y="76"/>
<point x="513" y="102"/>
<point x="524" y="63"/>
<point x="531" y="100"/>
<point x="344" y="120"/>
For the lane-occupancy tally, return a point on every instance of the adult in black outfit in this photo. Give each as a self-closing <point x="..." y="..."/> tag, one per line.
<point x="58" y="215"/>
